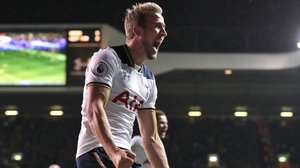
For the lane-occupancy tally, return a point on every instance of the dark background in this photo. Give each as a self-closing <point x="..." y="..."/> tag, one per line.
<point x="252" y="26"/>
<point x="207" y="26"/>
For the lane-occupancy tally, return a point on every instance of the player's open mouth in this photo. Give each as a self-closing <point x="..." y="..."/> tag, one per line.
<point x="156" y="45"/>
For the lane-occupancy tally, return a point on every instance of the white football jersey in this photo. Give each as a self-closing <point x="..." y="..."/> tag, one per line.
<point x="138" y="148"/>
<point x="132" y="88"/>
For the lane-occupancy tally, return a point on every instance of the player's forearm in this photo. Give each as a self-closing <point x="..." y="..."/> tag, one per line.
<point x="155" y="151"/>
<point x="101" y="129"/>
<point x="97" y="96"/>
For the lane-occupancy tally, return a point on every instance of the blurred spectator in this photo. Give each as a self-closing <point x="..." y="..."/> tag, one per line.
<point x="238" y="142"/>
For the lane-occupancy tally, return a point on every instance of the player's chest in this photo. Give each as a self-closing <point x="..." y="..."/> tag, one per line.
<point x="133" y="81"/>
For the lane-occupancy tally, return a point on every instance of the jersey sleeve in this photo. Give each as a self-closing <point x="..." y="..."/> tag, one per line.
<point x="102" y="67"/>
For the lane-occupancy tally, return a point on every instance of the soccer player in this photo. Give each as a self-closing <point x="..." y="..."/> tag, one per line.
<point x="119" y="87"/>
<point x="137" y="145"/>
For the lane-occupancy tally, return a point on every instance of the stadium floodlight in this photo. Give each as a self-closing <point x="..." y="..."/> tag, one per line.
<point x="241" y="111"/>
<point x="56" y="113"/>
<point x="213" y="160"/>
<point x="283" y="158"/>
<point x="56" y="110"/>
<point x="18" y="156"/>
<point x="194" y="111"/>
<point x="286" y="111"/>
<point x="54" y="166"/>
<point x="286" y="114"/>
<point x="241" y="114"/>
<point x="11" y="112"/>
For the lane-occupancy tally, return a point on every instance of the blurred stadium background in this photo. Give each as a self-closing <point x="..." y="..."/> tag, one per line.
<point x="227" y="74"/>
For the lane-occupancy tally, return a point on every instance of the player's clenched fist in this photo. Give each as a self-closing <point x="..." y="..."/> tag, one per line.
<point x="123" y="158"/>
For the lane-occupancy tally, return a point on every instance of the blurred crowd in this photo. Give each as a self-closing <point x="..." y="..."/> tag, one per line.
<point x="238" y="142"/>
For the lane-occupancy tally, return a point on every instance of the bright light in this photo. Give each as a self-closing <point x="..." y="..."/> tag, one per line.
<point x="54" y="166"/>
<point x="286" y="114"/>
<point x="213" y="158"/>
<point x="75" y="33"/>
<point x="241" y="114"/>
<point x="228" y="72"/>
<point x="282" y="159"/>
<point x="11" y="112"/>
<point x="84" y="38"/>
<point x="56" y="112"/>
<point x="298" y="44"/>
<point x="195" y="113"/>
<point x="17" y="156"/>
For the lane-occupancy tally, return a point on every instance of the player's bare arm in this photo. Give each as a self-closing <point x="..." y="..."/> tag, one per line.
<point x="97" y="98"/>
<point x="153" y="145"/>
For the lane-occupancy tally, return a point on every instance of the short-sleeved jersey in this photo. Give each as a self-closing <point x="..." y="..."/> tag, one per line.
<point x="132" y="88"/>
<point x="138" y="148"/>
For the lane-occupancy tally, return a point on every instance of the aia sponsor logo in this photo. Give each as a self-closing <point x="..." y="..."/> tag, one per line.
<point x="130" y="102"/>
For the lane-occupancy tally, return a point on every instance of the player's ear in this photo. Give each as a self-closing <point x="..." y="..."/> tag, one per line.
<point x="138" y="30"/>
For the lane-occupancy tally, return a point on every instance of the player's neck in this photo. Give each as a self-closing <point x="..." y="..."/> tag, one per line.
<point x="137" y="52"/>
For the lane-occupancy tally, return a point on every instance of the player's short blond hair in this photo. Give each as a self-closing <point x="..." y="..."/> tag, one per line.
<point x="135" y="16"/>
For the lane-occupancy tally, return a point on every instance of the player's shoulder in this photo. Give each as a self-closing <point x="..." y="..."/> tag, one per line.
<point x="122" y="51"/>
<point x="105" y="51"/>
<point x="147" y="72"/>
<point x="105" y="54"/>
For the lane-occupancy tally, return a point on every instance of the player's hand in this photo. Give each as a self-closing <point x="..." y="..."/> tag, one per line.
<point x="123" y="158"/>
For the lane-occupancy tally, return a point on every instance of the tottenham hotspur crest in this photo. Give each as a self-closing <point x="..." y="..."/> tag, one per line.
<point x="125" y="74"/>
